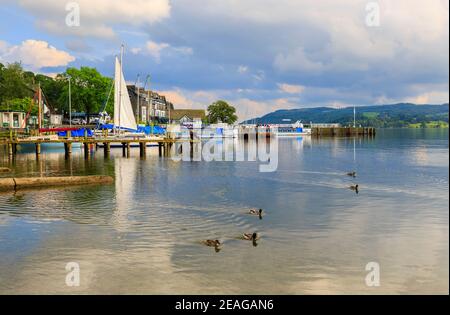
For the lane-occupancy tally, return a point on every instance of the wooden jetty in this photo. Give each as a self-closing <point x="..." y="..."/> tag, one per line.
<point x="164" y="145"/>
<point x="343" y="131"/>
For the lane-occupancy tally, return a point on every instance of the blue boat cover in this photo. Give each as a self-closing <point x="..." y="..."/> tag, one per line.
<point x="156" y="130"/>
<point x="77" y="133"/>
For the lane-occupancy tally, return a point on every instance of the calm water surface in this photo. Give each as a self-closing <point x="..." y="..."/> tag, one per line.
<point x="143" y="233"/>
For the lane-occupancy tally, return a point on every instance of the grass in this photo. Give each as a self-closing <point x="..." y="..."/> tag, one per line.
<point x="371" y="115"/>
<point x="431" y="124"/>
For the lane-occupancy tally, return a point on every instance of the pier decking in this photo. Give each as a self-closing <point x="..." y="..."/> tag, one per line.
<point x="164" y="145"/>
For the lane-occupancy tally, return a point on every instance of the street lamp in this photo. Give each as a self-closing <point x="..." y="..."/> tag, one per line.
<point x="70" y="105"/>
<point x="149" y="96"/>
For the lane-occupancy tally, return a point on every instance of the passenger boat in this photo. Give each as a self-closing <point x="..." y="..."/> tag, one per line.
<point x="290" y="130"/>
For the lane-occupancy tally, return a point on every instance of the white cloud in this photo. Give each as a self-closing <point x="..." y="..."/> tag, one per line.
<point x="97" y="17"/>
<point x="190" y="99"/>
<point x="433" y="97"/>
<point x="136" y="50"/>
<point x="242" y="69"/>
<point x="291" y="88"/>
<point x="35" y="54"/>
<point x="297" y="60"/>
<point x="156" y="50"/>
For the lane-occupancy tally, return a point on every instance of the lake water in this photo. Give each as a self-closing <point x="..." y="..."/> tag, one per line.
<point x="143" y="233"/>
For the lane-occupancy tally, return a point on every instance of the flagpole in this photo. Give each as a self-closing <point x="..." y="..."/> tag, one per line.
<point x="70" y="105"/>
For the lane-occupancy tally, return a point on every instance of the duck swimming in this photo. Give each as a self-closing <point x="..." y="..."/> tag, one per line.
<point x="250" y="236"/>
<point x="212" y="243"/>
<point x="355" y="188"/>
<point x="352" y="174"/>
<point x="256" y="212"/>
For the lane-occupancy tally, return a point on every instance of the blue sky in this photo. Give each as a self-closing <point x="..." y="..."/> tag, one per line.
<point x="260" y="55"/>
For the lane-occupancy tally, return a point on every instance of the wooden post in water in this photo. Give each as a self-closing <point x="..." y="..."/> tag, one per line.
<point x="86" y="150"/>
<point x="160" y="148"/>
<point x="68" y="149"/>
<point x="191" y="146"/>
<point x="38" y="149"/>
<point x="106" y="149"/>
<point x="124" y="149"/>
<point x="141" y="149"/>
<point x="128" y="149"/>
<point x="10" y="150"/>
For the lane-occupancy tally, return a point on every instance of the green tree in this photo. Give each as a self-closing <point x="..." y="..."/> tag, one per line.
<point x="221" y="111"/>
<point x="14" y="83"/>
<point x="89" y="89"/>
<point x="52" y="89"/>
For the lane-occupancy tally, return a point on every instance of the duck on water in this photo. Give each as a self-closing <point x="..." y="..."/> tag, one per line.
<point x="355" y="188"/>
<point x="257" y="212"/>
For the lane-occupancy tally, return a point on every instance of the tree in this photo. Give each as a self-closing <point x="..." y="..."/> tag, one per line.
<point x="221" y="111"/>
<point x="89" y="89"/>
<point x="13" y="83"/>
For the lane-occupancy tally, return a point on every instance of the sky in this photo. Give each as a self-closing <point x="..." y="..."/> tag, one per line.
<point x="259" y="55"/>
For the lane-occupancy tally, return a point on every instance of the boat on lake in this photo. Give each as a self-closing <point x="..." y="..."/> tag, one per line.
<point x="290" y="130"/>
<point x="125" y="126"/>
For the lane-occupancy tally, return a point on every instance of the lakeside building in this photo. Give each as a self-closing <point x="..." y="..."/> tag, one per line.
<point x="12" y="119"/>
<point x="187" y="116"/>
<point x="152" y="106"/>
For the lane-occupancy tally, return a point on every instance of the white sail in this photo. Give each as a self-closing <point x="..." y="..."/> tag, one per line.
<point x="123" y="111"/>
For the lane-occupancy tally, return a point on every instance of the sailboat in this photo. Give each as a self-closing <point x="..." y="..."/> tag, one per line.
<point x="123" y="111"/>
<point x="125" y="126"/>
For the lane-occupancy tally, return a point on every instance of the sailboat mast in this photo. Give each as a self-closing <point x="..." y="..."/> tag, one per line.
<point x="138" y="102"/>
<point x="120" y="86"/>
<point x="70" y="105"/>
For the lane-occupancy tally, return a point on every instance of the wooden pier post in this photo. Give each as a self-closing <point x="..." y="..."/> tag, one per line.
<point x="191" y="146"/>
<point x="160" y="148"/>
<point x="124" y="152"/>
<point x="38" y="149"/>
<point x="10" y="150"/>
<point x="86" y="150"/>
<point x="68" y="149"/>
<point x="106" y="149"/>
<point x="128" y="149"/>
<point x="141" y="149"/>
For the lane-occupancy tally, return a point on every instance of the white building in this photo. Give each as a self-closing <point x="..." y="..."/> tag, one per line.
<point x="12" y="119"/>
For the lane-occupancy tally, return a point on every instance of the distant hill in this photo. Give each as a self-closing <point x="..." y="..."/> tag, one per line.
<point x="380" y="116"/>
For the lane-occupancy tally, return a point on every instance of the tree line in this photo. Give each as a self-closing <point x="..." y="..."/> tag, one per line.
<point x="89" y="89"/>
<point x="89" y="92"/>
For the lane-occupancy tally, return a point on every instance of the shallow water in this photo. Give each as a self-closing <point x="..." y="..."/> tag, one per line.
<point x="143" y="234"/>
